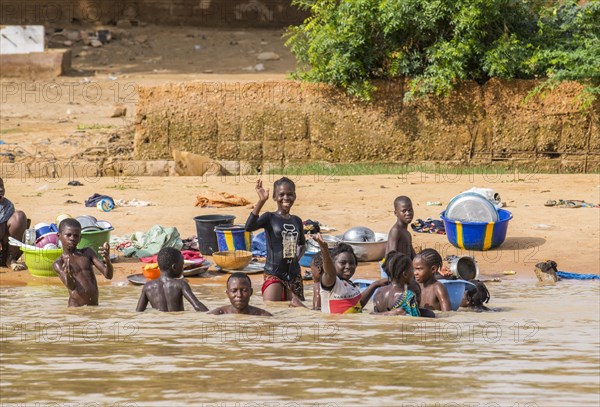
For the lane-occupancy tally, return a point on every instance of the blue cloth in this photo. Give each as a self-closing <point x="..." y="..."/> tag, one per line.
<point x="259" y="245"/>
<point x="93" y="200"/>
<point x="575" y="276"/>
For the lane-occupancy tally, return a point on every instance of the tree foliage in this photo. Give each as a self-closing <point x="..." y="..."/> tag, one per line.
<point x="438" y="43"/>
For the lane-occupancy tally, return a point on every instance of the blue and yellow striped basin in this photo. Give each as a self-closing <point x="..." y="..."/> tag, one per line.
<point x="477" y="235"/>
<point x="234" y="237"/>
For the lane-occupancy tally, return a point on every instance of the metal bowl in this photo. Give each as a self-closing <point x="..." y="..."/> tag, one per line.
<point x="471" y="207"/>
<point x="332" y="242"/>
<point x="359" y="234"/>
<point x="369" y="251"/>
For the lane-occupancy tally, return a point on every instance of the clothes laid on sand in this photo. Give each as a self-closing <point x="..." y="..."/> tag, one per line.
<point x="259" y="245"/>
<point x="283" y="236"/>
<point x="219" y="200"/>
<point x="408" y="302"/>
<point x="187" y="255"/>
<point x="342" y="298"/>
<point x="6" y="210"/>
<point x="94" y="199"/>
<point x="429" y="225"/>
<point x="570" y="203"/>
<point x="140" y="244"/>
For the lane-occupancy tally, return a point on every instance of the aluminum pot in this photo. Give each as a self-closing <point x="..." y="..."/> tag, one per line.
<point x="369" y="251"/>
<point x="332" y="242"/>
<point x="359" y="234"/>
<point x="464" y="268"/>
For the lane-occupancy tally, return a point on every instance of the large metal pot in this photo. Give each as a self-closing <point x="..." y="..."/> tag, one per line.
<point x="332" y="242"/>
<point x="359" y="234"/>
<point x="464" y="268"/>
<point x="369" y="251"/>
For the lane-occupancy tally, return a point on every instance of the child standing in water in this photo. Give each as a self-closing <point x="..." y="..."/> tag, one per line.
<point x="399" y="238"/>
<point x="239" y="290"/>
<point x="74" y="266"/>
<point x="167" y="292"/>
<point x="398" y="298"/>
<point x="285" y="243"/>
<point x="338" y="294"/>
<point x="434" y="295"/>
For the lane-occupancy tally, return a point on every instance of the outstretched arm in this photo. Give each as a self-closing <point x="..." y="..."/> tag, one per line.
<point x="329" y="275"/>
<point x="370" y="290"/>
<point x="189" y="295"/>
<point x="105" y="268"/>
<point x="142" y="302"/>
<point x="62" y="267"/>
<point x="252" y="223"/>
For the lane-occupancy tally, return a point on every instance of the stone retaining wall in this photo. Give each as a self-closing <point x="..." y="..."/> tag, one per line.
<point x="289" y="122"/>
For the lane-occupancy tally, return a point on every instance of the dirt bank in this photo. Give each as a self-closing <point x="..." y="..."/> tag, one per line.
<point x="569" y="236"/>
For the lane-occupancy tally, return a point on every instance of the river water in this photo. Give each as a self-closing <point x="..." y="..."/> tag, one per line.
<point x="541" y="348"/>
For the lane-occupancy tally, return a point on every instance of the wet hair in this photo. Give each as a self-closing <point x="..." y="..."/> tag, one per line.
<point x="401" y="199"/>
<point x="431" y="257"/>
<point x="241" y="276"/>
<point x="281" y="181"/>
<point x="167" y="257"/>
<point x="477" y="296"/>
<point x="344" y="248"/>
<point x="69" y="222"/>
<point x="396" y="265"/>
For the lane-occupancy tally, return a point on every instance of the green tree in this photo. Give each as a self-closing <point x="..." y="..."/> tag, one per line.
<point x="438" y="43"/>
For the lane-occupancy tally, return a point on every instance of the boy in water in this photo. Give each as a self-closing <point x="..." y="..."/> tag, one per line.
<point x="166" y="292"/>
<point x="74" y="266"/>
<point x="399" y="238"/>
<point x="12" y="224"/>
<point x="239" y="290"/>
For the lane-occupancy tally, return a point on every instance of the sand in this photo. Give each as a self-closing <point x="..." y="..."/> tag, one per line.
<point x="44" y="125"/>
<point x="570" y="236"/>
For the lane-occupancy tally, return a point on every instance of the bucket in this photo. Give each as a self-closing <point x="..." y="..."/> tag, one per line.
<point x="39" y="262"/>
<point x="456" y="291"/>
<point x="233" y="238"/>
<point x="94" y="239"/>
<point x="464" y="268"/>
<point x="205" y="229"/>
<point x="477" y="235"/>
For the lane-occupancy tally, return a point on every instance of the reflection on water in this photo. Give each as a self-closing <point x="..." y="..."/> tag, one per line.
<point x="540" y="349"/>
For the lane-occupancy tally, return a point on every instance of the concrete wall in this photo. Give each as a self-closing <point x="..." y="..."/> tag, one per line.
<point x="215" y="13"/>
<point x="288" y="122"/>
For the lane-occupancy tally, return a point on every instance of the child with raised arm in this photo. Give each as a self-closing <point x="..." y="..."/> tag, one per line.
<point x="74" y="266"/>
<point x="399" y="238"/>
<point x="166" y="293"/>
<point x="239" y="290"/>
<point x="338" y="294"/>
<point x="398" y="298"/>
<point x="284" y="234"/>
<point x="434" y="295"/>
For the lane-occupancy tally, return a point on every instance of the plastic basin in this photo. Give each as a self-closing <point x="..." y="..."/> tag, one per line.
<point x="39" y="262"/>
<point x="94" y="239"/>
<point x="456" y="291"/>
<point x="233" y="238"/>
<point x="307" y="258"/>
<point x="477" y="235"/>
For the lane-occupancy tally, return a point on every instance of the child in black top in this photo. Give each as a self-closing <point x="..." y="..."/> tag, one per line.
<point x="285" y="243"/>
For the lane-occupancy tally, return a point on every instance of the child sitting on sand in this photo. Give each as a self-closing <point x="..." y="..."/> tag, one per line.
<point x="166" y="293"/>
<point x="399" y="238"/>
<point x="12" y="224"/>
<point x="239" y="290"/>
<point x="338" y="294"/>
<point x="74" y="266"/>
<point x="434" y="295"/>
<point x="397" y="298"/>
